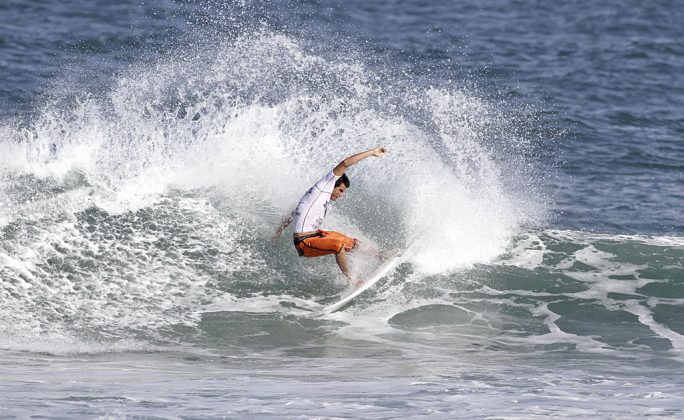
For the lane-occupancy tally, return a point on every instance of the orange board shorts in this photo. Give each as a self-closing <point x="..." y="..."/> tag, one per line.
<point x="323" y="243"/>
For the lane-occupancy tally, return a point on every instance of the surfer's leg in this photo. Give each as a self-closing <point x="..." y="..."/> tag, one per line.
<point x="341" y="258"/>
<point x="330" y="243"/>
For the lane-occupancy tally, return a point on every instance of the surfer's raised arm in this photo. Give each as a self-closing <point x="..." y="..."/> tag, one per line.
<point x="341" y="167"/>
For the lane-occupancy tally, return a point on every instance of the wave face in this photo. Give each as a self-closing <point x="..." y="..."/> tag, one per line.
<point x="148" y="150"/>
<point x="614" y="295"/>
<point x="553" y="297"/>
<point x="132" y="209"/>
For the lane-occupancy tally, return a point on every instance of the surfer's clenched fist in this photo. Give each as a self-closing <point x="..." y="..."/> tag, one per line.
<point x="379" y="151"/>
<point x="342" y="167"/>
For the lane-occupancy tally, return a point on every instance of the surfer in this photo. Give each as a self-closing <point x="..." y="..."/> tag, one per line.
<point x="309" y="240"/>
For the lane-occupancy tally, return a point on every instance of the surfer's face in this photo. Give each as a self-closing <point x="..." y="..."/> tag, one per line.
<point x="338" y="192"/>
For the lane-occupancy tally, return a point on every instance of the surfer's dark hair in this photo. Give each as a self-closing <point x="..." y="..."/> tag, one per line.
<point x="343" y="179"/>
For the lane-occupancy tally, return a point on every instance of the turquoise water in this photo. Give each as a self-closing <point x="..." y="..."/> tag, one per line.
<point x="148" y="152"/>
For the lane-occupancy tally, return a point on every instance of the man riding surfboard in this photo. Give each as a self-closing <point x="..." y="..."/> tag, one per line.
<point x="309" y="240"/>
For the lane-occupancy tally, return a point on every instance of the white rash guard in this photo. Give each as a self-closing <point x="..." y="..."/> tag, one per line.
<point x="312" y="207"/>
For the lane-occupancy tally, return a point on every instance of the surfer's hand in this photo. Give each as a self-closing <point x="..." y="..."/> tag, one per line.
<point x="378" y="151"/>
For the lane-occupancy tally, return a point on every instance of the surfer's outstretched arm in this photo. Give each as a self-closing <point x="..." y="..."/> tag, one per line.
<point x="341" y="167"/>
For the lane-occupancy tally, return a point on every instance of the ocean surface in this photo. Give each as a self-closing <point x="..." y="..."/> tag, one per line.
<point x="148" y="150"/>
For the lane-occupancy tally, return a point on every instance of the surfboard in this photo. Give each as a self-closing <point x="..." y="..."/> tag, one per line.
<point x="381" y="272"/>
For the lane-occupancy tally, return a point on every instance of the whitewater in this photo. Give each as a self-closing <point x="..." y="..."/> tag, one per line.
<point x="139" y="277"/>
